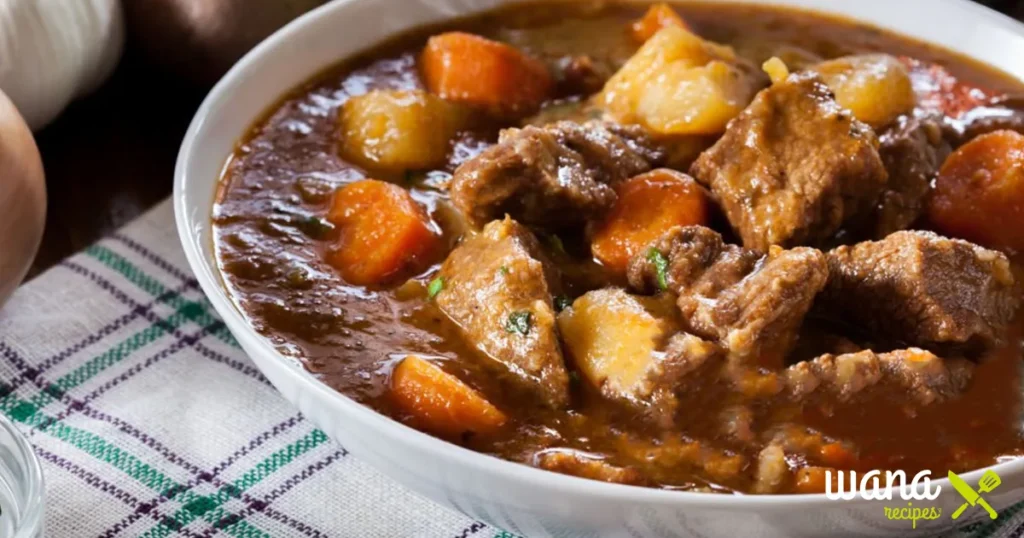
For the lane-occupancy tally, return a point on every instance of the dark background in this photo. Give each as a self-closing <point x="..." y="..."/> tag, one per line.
<point x="110" y="156"/>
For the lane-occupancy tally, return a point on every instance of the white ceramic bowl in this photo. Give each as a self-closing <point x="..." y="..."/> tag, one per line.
<point x="516" y="497"/>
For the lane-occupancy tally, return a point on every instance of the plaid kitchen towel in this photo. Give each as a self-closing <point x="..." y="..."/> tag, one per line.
<point x="151" y="421"/>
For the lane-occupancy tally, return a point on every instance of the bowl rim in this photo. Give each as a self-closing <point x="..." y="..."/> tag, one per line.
<point x="213" y="286"/>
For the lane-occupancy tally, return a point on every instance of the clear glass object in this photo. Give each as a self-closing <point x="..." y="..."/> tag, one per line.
<point x="22" y="502"/>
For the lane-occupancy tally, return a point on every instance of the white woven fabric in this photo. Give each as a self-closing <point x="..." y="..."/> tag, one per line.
<point x="151" y="422"/>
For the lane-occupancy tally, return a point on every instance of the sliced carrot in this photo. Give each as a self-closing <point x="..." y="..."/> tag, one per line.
<point x="979" y="193"/>
<point x="836" y="455"/>
<point x="439" y="402"/>
<point x="382" y="233"/>
<point x="470" y="69"/>
<point x="812" y="479"/>
<point x="657" y="17"/>
<point x="647" y="206"/>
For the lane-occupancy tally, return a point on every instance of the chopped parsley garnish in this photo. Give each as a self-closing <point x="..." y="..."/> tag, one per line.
<point x="435" y="287"/>
<point x="518" y="322"/>
<point x="315" y="226"/>
<point x="556" y="244"/>
<point x="660" y="266"/>
<point x="503" y="269"/>
<point x="562" y="302"/>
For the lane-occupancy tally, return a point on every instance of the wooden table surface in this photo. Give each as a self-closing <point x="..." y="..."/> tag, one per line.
<point x="110" y="156"/>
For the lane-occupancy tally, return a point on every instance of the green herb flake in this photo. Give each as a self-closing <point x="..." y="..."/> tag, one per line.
<point x="574" y="376"/>
<point x="562" y="302"/>
<point x="556" y="244"/>
<point x="435" y="287"/>
<point x="315" y="226"/>
<point x="518" y="322"/>
<point x="503" y="269"/>
<point x="660" y="266"/>
<point x="298" y="278"/>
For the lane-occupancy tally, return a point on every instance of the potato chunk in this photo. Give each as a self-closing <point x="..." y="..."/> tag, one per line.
<point x="679" y="84"/>
<point x="399" y="130"/>
<point x="875" y="87"/>
<point x="614" y="337"/>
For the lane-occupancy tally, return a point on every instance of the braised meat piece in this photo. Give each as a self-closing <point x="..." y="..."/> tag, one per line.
<point x="914" y="372"/>
<point x="913" y="148"/>
<point x="556" y="175"/>
<point x="753" y="304"/>
<point x="585" y="465"/>
<point x="628" y="348"/>
<point x="922" y="289"/>
<point x="497" y="287"/>
<point x="793" y="167"/>
<point x="1002" y="112"/>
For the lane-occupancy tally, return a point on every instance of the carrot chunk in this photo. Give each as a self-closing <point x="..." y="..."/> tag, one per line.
<point x="439" y="402"/>
<point x="836" y="455"/>
<point x="979" y="193"/>
<point x="383" y="233"/>
<point x="647" y="206"/>
<point x="812" y="479"/>
<point x="657" y="17"/>
<point x="473" y="70"/>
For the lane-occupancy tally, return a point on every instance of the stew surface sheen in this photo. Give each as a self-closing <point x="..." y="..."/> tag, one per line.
<point x="273" y="241"/>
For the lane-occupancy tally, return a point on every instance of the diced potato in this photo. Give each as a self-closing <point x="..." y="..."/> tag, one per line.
<point x="875" y="87"/>
<point x="678" y="83"/>
<point x="612" y="336"/>
<point x="776" y="68"/>
<point x="399" y="130"/>
<point x="657" y="17"/>
<point x="693" y="100"/>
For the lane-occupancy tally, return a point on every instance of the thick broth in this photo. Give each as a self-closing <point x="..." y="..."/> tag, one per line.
<point x="271" y="242"/>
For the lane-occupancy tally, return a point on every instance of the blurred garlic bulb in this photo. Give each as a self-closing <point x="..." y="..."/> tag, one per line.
<point x="52" y="51"/>
<point x="22" y="198"/>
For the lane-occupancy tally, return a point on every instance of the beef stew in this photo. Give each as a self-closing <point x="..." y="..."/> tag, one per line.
<point x="707" y="247"/>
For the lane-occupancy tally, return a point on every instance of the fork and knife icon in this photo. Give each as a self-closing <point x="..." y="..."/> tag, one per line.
<point x="989" y="481"/>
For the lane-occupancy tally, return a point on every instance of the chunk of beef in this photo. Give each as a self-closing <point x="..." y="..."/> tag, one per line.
<point x="738" y="424"/>
<point x="559" y="174"/>
<point x="498" y="289"/>
<point x="580" y="74"/>
<point x="585" y="465"/>
<point x="913" y="149"/>
<point x="923" y="289"/>
<point x="753" y="304"/>
<point x="1002" y="112"/>
<point x="628" y="348"/>
<point x="793" y="167"/>
<point x="818" y="337"/>
<point x="662" y="458"/>
<point x="914" y="372"/>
